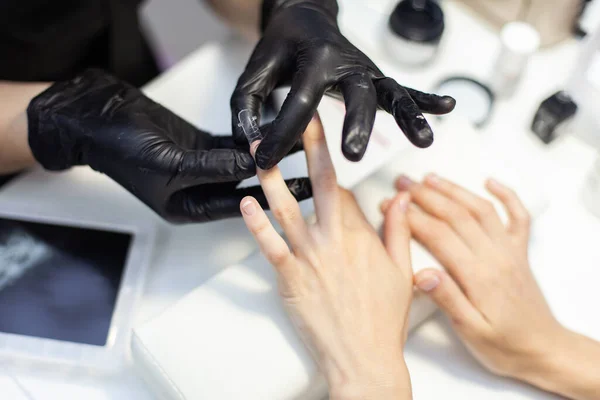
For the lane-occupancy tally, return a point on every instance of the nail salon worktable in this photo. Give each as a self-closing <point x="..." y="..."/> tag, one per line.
<point x="564" y="251"/>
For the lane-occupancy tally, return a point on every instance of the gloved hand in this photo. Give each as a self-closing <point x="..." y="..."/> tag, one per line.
<point x="302" y="46"/>
<point x="180" y="172"/>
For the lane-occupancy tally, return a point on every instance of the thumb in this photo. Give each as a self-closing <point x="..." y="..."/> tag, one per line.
<point x="448" y="296"/>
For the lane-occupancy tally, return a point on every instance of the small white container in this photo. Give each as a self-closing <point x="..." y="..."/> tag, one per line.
<point x="415" y="29"/>
<point x="519" y="41"/>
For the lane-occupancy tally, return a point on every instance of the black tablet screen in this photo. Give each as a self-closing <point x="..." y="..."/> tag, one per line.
<point x="59" y="282"/>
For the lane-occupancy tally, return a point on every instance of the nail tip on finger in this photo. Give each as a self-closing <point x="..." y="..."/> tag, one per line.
<point x="427" y="280"/>
<point x="493" y="185"/>
<point x="248" y="206"/>
<point x="403" y="183"/>
<point x="432" y="179"/>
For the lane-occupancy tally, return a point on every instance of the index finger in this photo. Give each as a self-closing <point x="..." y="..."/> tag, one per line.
<point x="295" y="115"/>
<point x="284" y="206"/>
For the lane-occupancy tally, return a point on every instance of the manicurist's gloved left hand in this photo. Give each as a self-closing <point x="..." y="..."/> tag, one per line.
<point x="302" y="45"/>
<point x="182" y="173"/>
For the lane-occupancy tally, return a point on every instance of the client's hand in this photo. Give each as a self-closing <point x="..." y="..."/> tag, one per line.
<point x="489" y="292"/>
<point x="347" y="293"/>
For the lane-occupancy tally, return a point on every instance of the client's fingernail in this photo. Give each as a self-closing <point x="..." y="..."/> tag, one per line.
<point x="494" y="184"/>
<point x="428" y="283"/>
<point x="404" y="182"/>
<point x="432" y="179"/>
<point x="249" y="208"/>
<point x="404" y="202"/>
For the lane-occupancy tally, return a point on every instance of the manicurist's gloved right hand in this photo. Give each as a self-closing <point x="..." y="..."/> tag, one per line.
<point x="302" y="46"/>
<point x="182" y="173"/>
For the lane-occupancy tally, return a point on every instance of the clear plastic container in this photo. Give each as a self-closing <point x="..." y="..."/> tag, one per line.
<point x="584" y="87"/>
<point x="37" y="354"/>
<point x="591" y="189"/>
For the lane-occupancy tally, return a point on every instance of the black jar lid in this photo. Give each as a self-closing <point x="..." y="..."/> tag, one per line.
<point x="418" y="21"/>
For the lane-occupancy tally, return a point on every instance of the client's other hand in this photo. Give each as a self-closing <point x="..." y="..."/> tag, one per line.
<point x="489" y="291"/>
<point x="347" y="293"/>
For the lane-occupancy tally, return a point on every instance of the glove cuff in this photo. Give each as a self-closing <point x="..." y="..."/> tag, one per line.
<point x="56" y="140"/>
<point x="270" y="7"/>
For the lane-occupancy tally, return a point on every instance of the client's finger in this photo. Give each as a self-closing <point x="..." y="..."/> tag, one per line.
<point x="447" y="210"/>
<point x="396" y="232"/>
<point x="520" y="221"/>
<point x="322" y="174"/>
<point x="270" y="242"/>
<point x="282" y="203"/>
<point x="384" y="205"/>
<point x="444" y="291"/>
<point x="483" y="210"/>
<point x="443" y="243"/>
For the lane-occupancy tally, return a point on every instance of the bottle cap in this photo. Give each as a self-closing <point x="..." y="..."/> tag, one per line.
<point x="418" y="21"/>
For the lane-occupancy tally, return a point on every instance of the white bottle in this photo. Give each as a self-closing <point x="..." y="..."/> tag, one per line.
<point x="519" y="41"/>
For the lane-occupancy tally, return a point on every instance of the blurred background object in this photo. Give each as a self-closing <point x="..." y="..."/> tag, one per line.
<point x="591" y="190"/>
<point x="474" y="99"/>
<point x="176" y="28"/>
<point x="553" y="116"/>
<point x="555" y="20"/>
<point x="584" y="86"/>
<point x="518" y="41"/>
<point x="415" y="30"/>
<point x="5" y="178"/>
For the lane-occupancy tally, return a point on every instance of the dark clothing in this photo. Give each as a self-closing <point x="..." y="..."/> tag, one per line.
<point x="50" y="40"/>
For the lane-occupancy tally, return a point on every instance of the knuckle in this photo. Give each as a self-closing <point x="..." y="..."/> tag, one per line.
<point x="277" y="255"/>
<point x="434" y="232"/>
<point x="323" y="50"/>
<point x="456" y="215"/>
<point x="346" y="195"/>
<point x="285" y="213"/>
<point x="327" y="181"/>
<point x="306" y="98"/>
<point x="260" y="228"/>
<point x="485" y="208"/>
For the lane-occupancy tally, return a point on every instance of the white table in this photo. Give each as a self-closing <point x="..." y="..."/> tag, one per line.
<point x="563" y="253"/>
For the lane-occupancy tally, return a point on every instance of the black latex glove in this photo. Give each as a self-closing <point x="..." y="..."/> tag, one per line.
<point x="182" y="173"/>
<point x="302" y="46"/>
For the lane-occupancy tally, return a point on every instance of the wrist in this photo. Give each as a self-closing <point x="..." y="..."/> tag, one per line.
<point x="15" y="153"/>
<point x="61" y="118"/>
<point x="568" y="367"/>
<point x="393" y="382"/>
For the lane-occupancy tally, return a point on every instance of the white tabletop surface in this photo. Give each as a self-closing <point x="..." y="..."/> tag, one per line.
<point x="564" y="252"/>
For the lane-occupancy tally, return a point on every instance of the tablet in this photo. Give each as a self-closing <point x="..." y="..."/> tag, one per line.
<point x="68" y="290"/>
